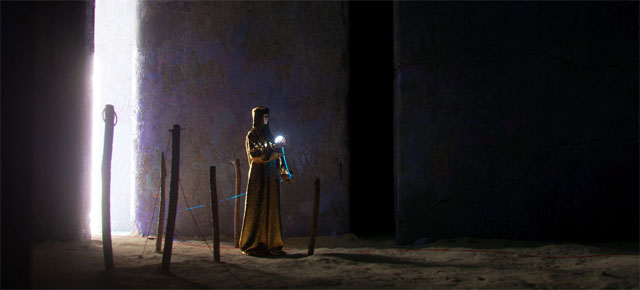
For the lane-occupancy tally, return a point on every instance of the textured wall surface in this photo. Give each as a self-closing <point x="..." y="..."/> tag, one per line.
<point x="516" y="120"/>
<point x="205" y="65"/>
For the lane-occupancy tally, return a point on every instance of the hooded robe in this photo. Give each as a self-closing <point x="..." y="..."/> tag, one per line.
<point x="261" y="231"/>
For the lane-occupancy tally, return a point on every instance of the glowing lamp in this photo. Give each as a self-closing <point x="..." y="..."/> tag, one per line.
<point x="279" y="139"/>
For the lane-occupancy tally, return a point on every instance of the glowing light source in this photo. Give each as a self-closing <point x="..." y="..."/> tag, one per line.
<point x="114" y="82"/>
<point x="279" y="139"/>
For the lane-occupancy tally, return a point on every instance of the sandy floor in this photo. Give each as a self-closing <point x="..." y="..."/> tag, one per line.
<point x="341" y="262"/>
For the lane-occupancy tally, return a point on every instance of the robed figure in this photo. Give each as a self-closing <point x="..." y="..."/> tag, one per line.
<point x="261" y="232"/>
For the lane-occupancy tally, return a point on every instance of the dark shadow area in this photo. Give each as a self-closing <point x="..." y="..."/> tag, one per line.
<point x="517" y="121"/>
<point x="17" y="72"/>
<point x="147" y="274"/>
<point x="287" y="257"/>
<point x="506" y="246"/>
<point x="616" y="247"/>
<point x="244" y="276"/>
<point x="377" y="259"/>
<point x="503" y="245"/>
<point x="45" y="56"/>
<point x="191" y="284"/>
<point x="370" y="118"/>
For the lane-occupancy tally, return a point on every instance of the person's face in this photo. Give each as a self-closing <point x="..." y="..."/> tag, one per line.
<point x="266" y="119"/>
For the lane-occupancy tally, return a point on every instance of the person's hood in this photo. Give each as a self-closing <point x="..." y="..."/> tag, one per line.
<point x="258" y="116"/>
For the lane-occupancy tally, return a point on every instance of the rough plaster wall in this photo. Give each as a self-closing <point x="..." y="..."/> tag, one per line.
<point x="205" y="65"/>
<point x="517" y="120"/>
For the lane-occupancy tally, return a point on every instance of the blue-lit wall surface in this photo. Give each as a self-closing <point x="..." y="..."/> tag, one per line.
<point x="516" y="120"/>
<point x="205" y="65"/>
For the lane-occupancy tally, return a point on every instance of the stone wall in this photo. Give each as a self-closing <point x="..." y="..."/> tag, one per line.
<point x="516" y="120"/>
<point x="205" y="65"/>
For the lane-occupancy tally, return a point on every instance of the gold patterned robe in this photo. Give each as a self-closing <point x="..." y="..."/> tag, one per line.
<point x="261" y="229"/>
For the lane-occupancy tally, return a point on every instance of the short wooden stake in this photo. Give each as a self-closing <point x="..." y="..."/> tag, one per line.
<point x="236" y="213"/>
<point x="163" y="177"/>
<point x="109" y="116"/>
<point x="314" y="225"/>
<point x="214" y="214"/>
<point x="173" y="197"/>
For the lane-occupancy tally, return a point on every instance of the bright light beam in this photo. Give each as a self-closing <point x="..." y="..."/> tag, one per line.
<point x="114" y="82"/>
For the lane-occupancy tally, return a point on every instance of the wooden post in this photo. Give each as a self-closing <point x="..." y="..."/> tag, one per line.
<point x="163" y="177"/>
<point x="109" y="116"/>
<point x="314" y="225"/>
<point x="214" y="214"/>
<point x="173" y="197"/>
<point x="236" y="213"/>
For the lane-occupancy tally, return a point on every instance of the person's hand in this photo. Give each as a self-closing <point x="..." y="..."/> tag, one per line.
<point x="280" y="142"/>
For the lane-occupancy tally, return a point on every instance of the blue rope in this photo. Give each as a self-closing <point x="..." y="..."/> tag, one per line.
<point x="234" y="197"/>
<point x="203" y="205"/>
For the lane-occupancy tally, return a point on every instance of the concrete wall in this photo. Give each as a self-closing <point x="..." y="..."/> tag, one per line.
<point x="516" y="120"/>
<point x="205" y="65"/>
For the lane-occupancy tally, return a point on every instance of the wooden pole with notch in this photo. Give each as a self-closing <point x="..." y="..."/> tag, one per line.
<point x="314" y="224"/>
<point x="214" y="214"/>
<point x="173" y="197"/>
<point x="163" y="177"/>
<point x="107" y="250"/>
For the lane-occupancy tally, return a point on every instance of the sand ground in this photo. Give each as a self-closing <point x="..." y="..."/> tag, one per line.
<point x="341" y="262"/>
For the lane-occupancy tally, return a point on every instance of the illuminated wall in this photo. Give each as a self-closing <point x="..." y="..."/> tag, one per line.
<point x="115" y="83"/>
<point x="516" y="120"/>
<point x="205" y="65"/>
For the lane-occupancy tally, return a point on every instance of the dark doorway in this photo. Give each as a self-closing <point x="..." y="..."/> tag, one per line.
<point x="370" y="113"/>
